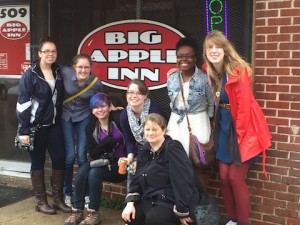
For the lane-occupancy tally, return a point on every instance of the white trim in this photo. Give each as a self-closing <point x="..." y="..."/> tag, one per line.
<point x="16" y="169"/>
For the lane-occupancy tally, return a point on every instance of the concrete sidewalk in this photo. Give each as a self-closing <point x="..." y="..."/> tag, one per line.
<point x="23" y="212"/>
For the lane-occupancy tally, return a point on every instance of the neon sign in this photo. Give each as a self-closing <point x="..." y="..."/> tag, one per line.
<point x="216" y="16"/>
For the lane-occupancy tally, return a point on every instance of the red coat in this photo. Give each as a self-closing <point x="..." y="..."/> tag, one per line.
<point x="252" y="129"/>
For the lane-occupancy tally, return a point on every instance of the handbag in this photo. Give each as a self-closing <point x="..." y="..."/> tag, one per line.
<point x="200" y="154"/>
<point x="206" y="211"/>
<point x="26" y="147"/>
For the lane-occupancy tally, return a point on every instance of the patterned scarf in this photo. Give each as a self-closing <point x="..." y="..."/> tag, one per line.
<point x="135" y="126"/>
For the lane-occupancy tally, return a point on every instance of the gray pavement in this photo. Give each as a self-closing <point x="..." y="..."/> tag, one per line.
<point x="23" y="213"/>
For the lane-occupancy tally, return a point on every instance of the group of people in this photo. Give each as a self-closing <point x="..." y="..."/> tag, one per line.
<point x="75" y="118"/>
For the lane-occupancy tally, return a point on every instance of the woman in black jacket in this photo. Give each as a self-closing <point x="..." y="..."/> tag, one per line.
<point x="163" y="190"/>
<point x="105" y="146"/>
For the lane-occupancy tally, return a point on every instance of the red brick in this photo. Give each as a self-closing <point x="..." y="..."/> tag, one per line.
<point x="289" y="46"/>
<point x="293" y="222"/>
<point x="289" y="163"/>
<point x="266" y="46"/>
<point x="272" y="202"/>
<point x="260" y="5"/>
<point x="295" y="173"/>
<point x="295" y="89"/>
<point x="279" y="38"/>
<point x="260" y="55"/>
<point x="295" y="55"/>
<point x="279" y="21"/>
<point x="284" y="130"/>
<point x="267" y="13"/>
<point x="256" y="199"/>
<point x="259" y="71"/>
<point x="286" y="197"/>
<point x="276" y="187"/>
<point x="263" y="193"/>
<point x="278" y="154"/>
<point x="268" y="30"/>
<point x="264" y="95"/>
<point x="279" y="5"/>
<point x="296" y="20"/>
<point x="288" y="29"/>
<point x="266" y="63"/>
<point x="259" y="87"/>
<point x="290" y="180"/>
<point x="277" y="170"/>
<point x="296" y="37"/>
<point x="278" y="71"/>
<point x="278" y="105"/>
<point x="289" y="62"/>
<point x="295" y="123"/>
<point x="265" y="209"/>
<point x="289" y="97"/>
<point x="295" y="105"/>
<point x="260" y="22"/>
<point x="289" y="80"/>
<point x="270" y="112"/>
<point x="290" y="113"/>
<point x="286" y="213"/>
<point x="295" y="156"/>
<point x="293" y="205"/>
<point x="288" y="146"/>
<point x="294" y="189"/>
<point x="278" y="88"/>
<point x="289" y="12"/>
<point x="278" y="55"/>
<point x="277" y="121"/>
<point x="273" y="219"/>
<point x="296" y="71"/>
<point x="265" y="79"/>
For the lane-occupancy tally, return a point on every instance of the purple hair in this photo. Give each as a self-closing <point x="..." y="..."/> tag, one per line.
<point x="99" y="99"/>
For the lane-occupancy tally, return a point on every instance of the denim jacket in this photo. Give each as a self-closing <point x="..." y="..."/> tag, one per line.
<point x="200" y="96"/>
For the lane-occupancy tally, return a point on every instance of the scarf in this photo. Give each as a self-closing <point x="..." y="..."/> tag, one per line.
<point x="135" y="126"/>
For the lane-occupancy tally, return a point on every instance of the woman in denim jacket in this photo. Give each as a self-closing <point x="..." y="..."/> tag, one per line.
<point x="197" y="95"/>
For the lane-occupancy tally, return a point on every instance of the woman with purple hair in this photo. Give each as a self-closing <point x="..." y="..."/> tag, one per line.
<point x="105" y="145"/>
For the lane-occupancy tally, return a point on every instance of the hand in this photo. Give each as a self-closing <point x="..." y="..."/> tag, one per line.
<point x="24" y="139"/>
<point x="128" y="212"/>
<point x="185" y="221"/>
<point x="171" y="71"/>
<point x="114" y="108"/>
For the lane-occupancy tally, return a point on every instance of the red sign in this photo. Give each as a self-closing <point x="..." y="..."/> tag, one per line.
<point x="131" y="49"/>
<point x="14" y="40"/>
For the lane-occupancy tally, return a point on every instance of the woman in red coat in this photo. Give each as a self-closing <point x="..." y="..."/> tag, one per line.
<point x="241" y="131"/>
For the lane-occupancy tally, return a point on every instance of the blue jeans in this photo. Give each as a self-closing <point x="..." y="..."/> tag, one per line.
<point x="92" y="178"/>
<point x="75" y="139"/>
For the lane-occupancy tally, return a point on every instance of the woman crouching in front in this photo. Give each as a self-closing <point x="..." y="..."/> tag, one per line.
<point x="105" y="145"/>
<point x="163" y="189"/>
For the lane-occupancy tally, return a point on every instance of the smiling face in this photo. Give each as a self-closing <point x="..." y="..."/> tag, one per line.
<point x="134" y="97"/>
<point x="83" y="69"/>
<point x="215" y="54"/>
<point x="101" y="111"/>
<point x="48" y="53"/>
<point x="186" y="59"/>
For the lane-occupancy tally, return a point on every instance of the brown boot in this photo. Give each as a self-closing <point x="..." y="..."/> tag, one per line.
<point x="57" y="181"/>
<point x="38" y="184"/>
<point x="92" y="218"/>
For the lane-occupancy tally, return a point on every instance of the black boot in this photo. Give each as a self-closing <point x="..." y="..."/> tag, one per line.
<point x="57" y="181"/>
<point x="38" y="184"/>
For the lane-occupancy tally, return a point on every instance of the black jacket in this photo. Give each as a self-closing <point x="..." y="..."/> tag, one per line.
<point x="35" y="105"/>
<point x="166" y="177"/>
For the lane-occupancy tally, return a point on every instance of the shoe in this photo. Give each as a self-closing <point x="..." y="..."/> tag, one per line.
<point x="75" y="217"/>
<point x="86" y="201"/>
<point x="68" y="200"/>
<point x="92" y="218"/>
<point x="230" y="222"/>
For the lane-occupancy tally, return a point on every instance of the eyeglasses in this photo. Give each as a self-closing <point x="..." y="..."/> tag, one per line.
<point x="131" y="93"/>
<point x="47" y="52"/>
<point x="185" y="56"/>
<point x="83" y="67"/>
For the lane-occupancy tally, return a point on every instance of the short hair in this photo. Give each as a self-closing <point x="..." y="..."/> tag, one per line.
<point x="44" y="40"/>
<point x="185" y="41"/>
<point x="143" y="89"/>
<point x="99" y="99"/>
<point x="156" y="118"/>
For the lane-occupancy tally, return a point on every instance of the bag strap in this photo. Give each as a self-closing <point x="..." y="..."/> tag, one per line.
<point x="81" y="92"/>
<point x="185" y="108"/>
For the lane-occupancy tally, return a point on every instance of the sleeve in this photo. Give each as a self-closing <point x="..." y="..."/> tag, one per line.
<point x="181" y="177"/>
<point x="24" y="103"/>
<point x="243" y="99"/>
<point x="129" y="138"/>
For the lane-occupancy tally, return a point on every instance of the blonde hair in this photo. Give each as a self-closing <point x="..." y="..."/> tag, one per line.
<point x="232" y="59"/>
<point x="156" y="118"/>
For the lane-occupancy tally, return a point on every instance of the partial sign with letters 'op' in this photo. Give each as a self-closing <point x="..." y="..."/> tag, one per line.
<point x="130" y="49"/>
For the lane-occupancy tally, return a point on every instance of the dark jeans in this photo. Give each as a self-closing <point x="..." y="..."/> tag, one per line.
<point x="50" y="138"/>
<point x="93" y="179"/>
<point x="149" y="214"/>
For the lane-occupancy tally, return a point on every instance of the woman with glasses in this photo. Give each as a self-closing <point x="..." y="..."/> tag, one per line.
<point x="195" y="96"/>
<point x="76" y="114"/>
<point x="39" y="105"/>
<point x="133" y="117"/>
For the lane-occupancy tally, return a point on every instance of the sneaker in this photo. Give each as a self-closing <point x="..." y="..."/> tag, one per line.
<point x="230" y="222"/>
<point x="75" y="217"/>
<point x="92" y="218"/>
<point x="86" y="201"/>
<point x="68" y="200"/>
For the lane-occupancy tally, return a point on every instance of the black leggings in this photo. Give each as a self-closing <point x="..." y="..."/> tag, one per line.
<point x="149" y="214"/>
